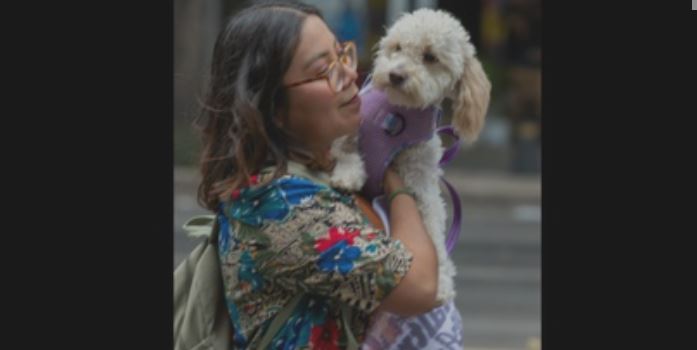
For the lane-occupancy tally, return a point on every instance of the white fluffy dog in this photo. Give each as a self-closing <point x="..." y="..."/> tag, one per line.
<point x="425" y="57"/>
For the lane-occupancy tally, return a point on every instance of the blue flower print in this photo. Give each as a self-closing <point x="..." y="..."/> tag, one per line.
<point x="248" y="272"/>
<point x="339" y="257"/>
<point x="273" y="201"/>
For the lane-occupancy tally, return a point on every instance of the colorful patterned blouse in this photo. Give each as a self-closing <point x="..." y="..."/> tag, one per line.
<point x="298" y="235"/>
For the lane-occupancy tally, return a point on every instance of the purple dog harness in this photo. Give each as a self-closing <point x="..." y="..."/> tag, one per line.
<point x="386" y="130"/>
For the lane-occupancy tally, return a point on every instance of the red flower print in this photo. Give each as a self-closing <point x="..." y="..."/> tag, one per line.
<point x="325" y="336"/>
<point x="254" y="180"/>
<point x="336" y="235"/>
<point x="235" y="194"/>
<point x="250" y="308"/>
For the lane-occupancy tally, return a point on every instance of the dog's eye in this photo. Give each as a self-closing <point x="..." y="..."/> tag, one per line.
<point x="397" y="48"/>
<point x="429" y="58"/>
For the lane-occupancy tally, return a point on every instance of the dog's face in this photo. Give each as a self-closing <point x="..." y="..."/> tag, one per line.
<point x="427" y="56"/>
<point x="421" y="59"/>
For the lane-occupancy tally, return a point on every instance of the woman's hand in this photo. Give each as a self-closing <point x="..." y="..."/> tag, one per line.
<point x="392" y="181"/>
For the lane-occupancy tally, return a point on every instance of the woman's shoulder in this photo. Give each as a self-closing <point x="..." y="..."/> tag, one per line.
<point x="267" y="181"/>
<point x="270" y="197"/>
<point x="299" y="177"/>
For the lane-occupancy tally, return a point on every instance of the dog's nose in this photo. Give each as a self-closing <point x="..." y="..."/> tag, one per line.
<point x="396" y="79"/>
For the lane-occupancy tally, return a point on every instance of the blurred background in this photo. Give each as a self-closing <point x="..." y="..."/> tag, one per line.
<point x="497" y="178"/>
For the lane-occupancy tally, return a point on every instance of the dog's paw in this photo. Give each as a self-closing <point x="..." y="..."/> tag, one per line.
<point x="446" y="281"/>
<point x="445" y="292"/>
<point x="346" y="183"/>
<point x="349" y="173"/>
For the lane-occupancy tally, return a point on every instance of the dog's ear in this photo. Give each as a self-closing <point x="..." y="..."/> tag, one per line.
<point x="471" y="100"/>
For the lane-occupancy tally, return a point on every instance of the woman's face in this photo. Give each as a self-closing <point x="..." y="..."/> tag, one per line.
<point x="316" y="114"/>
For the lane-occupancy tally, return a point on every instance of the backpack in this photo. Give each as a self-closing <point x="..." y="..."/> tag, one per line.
<point x="201" y="320"/>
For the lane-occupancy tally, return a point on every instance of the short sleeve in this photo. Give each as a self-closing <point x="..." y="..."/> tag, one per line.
<point x="331" y="250"/>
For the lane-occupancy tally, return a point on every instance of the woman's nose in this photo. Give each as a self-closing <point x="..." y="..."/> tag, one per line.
<point x="351" y="75"/>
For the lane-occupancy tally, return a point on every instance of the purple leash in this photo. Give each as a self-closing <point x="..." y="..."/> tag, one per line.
<point x="380" y="203"/>
<point x="448" y="155"/>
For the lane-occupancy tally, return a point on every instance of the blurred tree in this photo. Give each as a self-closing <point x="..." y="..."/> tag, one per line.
<point x="493" y="30"/>
<point x="524" y="58"/>
<point x="196" y="24"/>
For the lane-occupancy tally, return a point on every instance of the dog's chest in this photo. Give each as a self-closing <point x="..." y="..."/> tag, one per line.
<point x="388" y="129"/>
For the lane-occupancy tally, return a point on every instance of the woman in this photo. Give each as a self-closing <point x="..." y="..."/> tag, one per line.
<point x="292" y="248"/>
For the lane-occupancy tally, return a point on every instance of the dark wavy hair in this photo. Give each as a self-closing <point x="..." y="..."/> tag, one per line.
<point x="250" y="58"/>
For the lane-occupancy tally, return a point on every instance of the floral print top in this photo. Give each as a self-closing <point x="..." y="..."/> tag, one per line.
<point x="297" y="235"/>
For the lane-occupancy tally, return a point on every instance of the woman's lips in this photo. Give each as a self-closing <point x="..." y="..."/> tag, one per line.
<point x="353" y="101"/>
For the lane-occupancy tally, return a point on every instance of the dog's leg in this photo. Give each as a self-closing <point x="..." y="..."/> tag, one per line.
<point x="418" y="166"/>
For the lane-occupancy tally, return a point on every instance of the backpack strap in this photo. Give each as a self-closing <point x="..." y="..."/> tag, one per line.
<point x="346" y="313"/>
<point x="278" y="321"/>
<point x="202" y="226"/>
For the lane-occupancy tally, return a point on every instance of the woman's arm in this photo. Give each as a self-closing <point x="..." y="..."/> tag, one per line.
<point x="416" y="292"/>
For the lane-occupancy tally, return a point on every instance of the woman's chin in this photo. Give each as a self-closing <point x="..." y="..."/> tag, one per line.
<point x="354" y="122"/>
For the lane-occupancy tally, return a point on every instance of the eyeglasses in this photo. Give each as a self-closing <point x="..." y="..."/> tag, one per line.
<point x="335" y="75"/>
